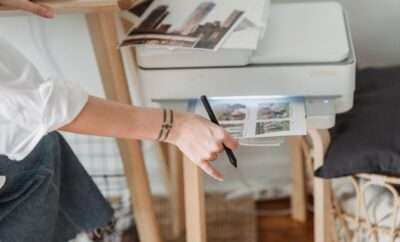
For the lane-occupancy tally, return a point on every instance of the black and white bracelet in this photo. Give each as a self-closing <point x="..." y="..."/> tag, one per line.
<point x="166" y="126"/>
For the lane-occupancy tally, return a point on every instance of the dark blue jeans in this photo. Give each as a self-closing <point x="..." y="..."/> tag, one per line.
<point x="49" y="197"/>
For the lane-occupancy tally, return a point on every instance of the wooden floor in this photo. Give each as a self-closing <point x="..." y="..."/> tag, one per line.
<point x="271" y="228"/>
<point x="282" y="228"/>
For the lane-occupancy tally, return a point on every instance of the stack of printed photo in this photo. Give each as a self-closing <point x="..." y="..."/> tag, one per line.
<point x="196" y="24"/>
<point x="259" y="117"/>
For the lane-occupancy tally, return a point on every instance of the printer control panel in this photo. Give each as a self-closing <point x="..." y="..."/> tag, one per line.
<point x="320" y="112"/>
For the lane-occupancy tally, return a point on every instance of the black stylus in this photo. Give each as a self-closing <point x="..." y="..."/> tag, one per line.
<point x="211" y="115"/>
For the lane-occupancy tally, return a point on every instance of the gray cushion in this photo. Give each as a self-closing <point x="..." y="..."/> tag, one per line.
<point x="367" y="138"/>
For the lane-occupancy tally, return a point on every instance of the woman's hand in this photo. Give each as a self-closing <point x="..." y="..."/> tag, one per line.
<point x="200" y="140"/>
<point x="39" y="9"/>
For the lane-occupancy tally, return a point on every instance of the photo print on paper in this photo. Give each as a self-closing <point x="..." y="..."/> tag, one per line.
<point x="277" y="110"/>
<point x="140" y="7"/>
<point x="230" y="111"/>
<point x="272" y="127"/>
<point x="159" y="26"/>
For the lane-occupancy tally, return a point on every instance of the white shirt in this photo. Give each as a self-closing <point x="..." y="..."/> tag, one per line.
<point x="31" y="107"/>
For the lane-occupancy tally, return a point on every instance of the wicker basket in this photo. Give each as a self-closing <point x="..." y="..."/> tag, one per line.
<point x="227" y="220"/>
<point x="370" y="218"/>
<point x="374" y="217"/>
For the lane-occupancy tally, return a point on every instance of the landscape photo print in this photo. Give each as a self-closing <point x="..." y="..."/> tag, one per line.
<point x="236" y="111"/>
<point x="273" y="110"/>
<point x="199" y="24"/>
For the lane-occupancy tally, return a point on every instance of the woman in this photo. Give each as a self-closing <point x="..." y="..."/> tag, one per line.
<point x="48" y="196"/>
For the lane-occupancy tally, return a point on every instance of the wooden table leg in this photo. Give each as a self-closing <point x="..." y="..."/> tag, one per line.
<point x="322" y="201"/>
<point x="194" y="203"/>
<point x="299" y="193"/>
<point x="170" y="158"/>
<point x="177" y="191"/>
<point x="161" y="149"/>
<point x="102" y="27"/>
<point x="173" y="189"/>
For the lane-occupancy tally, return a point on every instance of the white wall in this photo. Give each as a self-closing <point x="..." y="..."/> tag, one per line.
<point x="375" y="26"/>
<point x="376" y="31"/>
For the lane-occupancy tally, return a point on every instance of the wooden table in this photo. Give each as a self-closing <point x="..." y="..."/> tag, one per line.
<point x="102" y="23"/>
<point x="323" y="220"/>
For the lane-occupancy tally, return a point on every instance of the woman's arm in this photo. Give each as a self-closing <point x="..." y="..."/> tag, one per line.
<point x="198" y="138"/>
<point x="26" y="5"/>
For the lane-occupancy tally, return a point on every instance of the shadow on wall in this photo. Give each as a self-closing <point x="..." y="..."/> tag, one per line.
<point x="375" y="29"/>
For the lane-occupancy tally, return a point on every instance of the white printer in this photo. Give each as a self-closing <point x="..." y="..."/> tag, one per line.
<point x="307" y="51"/>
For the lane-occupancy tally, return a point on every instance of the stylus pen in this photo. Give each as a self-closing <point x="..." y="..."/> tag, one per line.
<point x="211" y="115"/>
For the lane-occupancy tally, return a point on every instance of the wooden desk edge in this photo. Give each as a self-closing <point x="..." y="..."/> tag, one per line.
<point x="72" y="6"/>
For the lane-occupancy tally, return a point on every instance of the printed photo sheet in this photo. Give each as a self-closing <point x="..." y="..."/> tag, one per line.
<point x="251" y="30"/>
<point x="254" y="118"/>
<point x="196" y="24"/>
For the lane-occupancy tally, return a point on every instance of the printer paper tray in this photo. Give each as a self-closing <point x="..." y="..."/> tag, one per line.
<point x="258" y="121"/>
<point x="319" y="113"/>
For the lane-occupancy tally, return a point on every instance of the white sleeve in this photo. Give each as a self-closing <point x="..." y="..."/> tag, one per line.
<point x="31" y="107"/>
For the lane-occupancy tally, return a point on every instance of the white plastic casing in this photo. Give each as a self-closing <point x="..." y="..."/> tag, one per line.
<point x="311" y="55"/>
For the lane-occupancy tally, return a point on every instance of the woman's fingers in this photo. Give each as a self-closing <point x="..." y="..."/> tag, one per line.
<point x="229" y="141"/>
<point x="201" y="140"/>
<point x="25" y="5"/>
<point x="218" y="147"/>
<point x="213" y="156"/>
<point x="48" y="12"/>
<point x="213" y="149"/>
<point x="210" y="170"/>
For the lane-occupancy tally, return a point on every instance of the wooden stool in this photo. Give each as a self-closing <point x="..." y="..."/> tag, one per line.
<point x="317" y="145"/>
